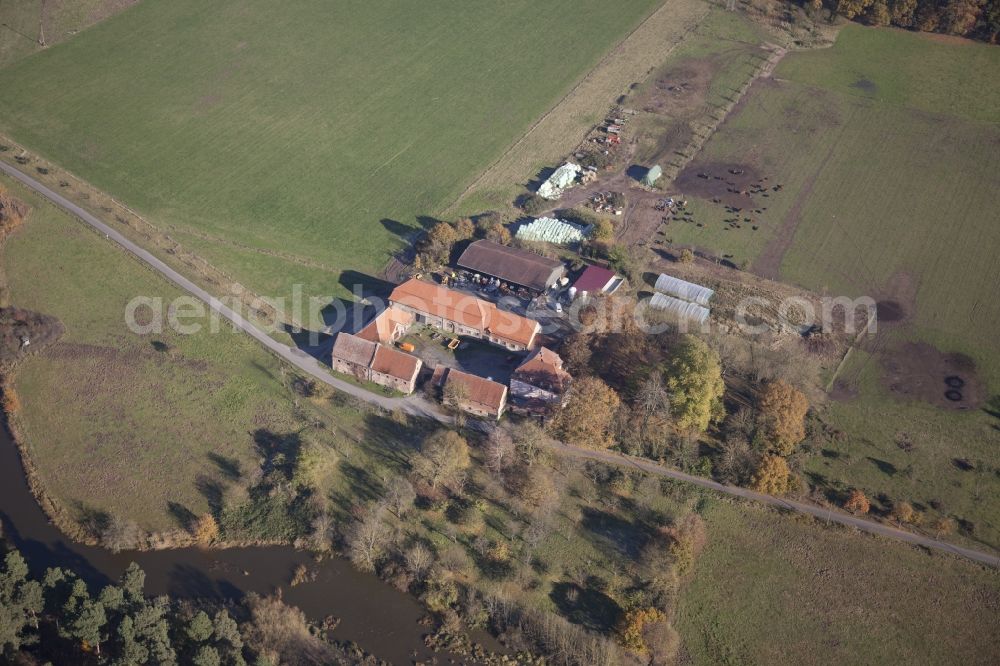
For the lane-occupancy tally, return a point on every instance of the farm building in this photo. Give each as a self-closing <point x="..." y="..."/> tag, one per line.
<point x="375" y="362"/>
<point x="464" y="314"/>
<point x="551" y="230"/>
<point x="653" y="175"/>
<point x="563" y="178"/>
<point x="476" y="395"/>
<point x="598" y="280"/>
<point x="537" y="385"/>
<point x="388" y="326"/>
<point x="687" y="291"/>
<point x="511" y="265"/>
<point x="683" y="309"/>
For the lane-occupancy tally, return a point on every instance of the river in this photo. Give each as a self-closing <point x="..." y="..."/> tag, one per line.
<point x="379" y="618"/>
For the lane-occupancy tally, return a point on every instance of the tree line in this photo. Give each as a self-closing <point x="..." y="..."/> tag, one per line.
<point x="976" y="19"/>
<point x="58" y="619"/>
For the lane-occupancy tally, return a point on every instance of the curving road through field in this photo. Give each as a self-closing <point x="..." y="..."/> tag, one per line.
<point x="418" y="406"/>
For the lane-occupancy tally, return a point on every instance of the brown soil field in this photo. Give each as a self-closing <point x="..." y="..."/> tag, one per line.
<point x="919" y="371"/>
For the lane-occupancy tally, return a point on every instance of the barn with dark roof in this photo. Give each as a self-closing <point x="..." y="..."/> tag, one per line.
<point x="511" y="265"/>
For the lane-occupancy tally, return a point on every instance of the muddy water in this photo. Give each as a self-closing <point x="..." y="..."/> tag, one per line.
<point x="374" y="615"/>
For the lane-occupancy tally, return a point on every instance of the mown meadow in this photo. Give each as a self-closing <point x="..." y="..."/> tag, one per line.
<point x="322" y="131"/>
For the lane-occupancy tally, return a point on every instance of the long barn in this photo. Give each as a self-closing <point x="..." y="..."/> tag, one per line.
<point x="511" y="265"/>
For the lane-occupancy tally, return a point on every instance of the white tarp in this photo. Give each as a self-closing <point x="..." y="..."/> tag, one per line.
<point x="551" y="230"/>
<point x="562" y="179"/>
<point x="678" y="307"/>
<point x="681" y="289"/>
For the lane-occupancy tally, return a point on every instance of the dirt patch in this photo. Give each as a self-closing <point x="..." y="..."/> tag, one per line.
<point x="919" y="371"/>
<point x="896" y="301"/>
<point x="731" y="184"/>
<point x="24" y="331"/>
<point x="680" y="90"/>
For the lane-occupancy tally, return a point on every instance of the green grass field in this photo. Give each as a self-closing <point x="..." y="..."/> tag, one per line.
<point x="770" y="590"/>
<point x="24" y="22"/>
<point x="113" y="424"/>
<point x="891" y="181"/>
<point x="320" y="131"/>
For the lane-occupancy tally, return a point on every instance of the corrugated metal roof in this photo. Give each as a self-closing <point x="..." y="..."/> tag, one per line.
<point x="682" y="289"/>
<point x="520" y="267"/>
<point x="681" y="308"/>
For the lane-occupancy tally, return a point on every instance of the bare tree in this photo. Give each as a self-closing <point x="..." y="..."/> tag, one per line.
<point x="653" y="398"/>
<point x="400" y="496"/>
<point x="419" y="559"/>
<point x="500" y="451"/>
<point x="367" y="539"/>
<point x="736" y="460"/>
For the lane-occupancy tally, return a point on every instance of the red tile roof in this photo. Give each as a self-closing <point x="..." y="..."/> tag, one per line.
<point x="382" y="327"/>
<point x="465" y="309"/>
<point x="544" y="369"/>
<point x="395" y="363"/>
<point x="477" y="389"/>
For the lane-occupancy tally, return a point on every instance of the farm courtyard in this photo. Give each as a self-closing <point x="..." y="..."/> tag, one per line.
<point x="289" y="142"/>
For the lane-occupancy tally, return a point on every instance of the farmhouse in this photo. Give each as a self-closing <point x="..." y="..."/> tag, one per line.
<point x="375" y="362"/>
<point x="538" y="385"/>
<point x="511" y="265"/>
<point x="472" y="394"/>
<point x="463" y="314"/>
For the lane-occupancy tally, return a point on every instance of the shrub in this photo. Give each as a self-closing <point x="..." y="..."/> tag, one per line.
<point x="772" y="476"/>
<point x="533" y="204"/>
<point x="857" y="502"/>
<point x="631" y="627"/>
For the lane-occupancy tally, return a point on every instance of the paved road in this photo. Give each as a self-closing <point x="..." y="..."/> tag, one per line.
<point x="412" y="404"/>
<point x="822" y="513"/>
<point x="418" y="406"/>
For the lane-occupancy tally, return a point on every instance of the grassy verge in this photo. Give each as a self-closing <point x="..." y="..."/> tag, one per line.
<point x="772" y="589"/>
<point x="140" y="421"/>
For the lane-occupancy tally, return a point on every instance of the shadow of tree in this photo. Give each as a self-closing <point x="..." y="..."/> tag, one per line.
<point x="228" y="467"/>
<point x="212" y="490"/>
<point x="586" y="606"/>
<point x="183" y="515"/>
<point x="885" y="467"/>
<point x="280" y="452"/>
<point x="612" y="533"/>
